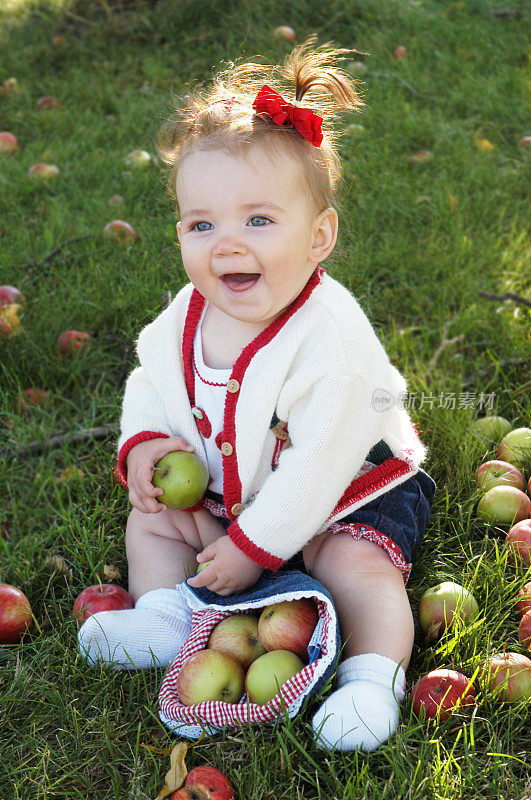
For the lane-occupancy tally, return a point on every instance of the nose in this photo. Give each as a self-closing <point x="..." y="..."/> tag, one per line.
<point x="228" y="243"/>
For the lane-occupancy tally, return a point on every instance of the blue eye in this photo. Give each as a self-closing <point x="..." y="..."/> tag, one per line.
<point x="194" y="226"/>
<point x="264" y="218"/>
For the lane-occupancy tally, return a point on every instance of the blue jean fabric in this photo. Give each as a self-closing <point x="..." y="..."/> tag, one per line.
<point x="402" y="514"/>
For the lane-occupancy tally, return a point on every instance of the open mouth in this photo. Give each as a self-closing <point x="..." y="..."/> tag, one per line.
<point x="240" y="281"/>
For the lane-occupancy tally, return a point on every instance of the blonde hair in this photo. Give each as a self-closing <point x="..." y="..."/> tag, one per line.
<point x="205" y="121"/>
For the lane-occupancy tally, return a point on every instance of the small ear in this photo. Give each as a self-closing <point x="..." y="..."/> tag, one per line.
<point x="325" y="235"/>
<point x="178" y="226"/>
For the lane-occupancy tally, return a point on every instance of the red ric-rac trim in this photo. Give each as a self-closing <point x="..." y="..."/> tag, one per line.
<point x="250" y="549"/>
<point x="359" y="530"/>
<point x="232" y="489"/>
<point x="120" y="470"/>
<point x="371" y="482"/>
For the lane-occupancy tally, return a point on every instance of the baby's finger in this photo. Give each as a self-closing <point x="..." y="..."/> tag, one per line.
<point x="203" y="578"/>
<point x="136" y="502"/>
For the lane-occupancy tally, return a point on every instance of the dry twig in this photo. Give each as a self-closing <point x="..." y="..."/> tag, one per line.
<point x="444" y="345"/>
<point x="58" y="439"/>
<point x="507" y="296"/>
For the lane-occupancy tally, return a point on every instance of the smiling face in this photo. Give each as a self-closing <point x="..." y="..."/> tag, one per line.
<point x="249" y="241"/>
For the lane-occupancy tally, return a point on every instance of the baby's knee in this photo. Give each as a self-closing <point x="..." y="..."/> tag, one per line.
<point x="166" y="524"/>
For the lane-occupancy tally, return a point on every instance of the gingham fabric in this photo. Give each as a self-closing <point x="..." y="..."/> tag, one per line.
<point x="212" y="716"/>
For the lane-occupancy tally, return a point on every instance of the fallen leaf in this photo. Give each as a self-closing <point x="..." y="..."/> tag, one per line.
<point x="111" y="573"/>
<point x="71" y="473"/>
<point x="453" y="203"/>
<point x="177" y="772"/>
<point x="485" y="145"/>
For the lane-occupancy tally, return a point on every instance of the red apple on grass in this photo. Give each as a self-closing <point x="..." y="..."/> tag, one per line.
<point x="519" y="540"/>
<point x="499" y="473"/>
<point x="10" y="295"/>
<point x="43" y="172"/>
<point x="100" y="597"/>
<point x="286" y="32"/>
<point x="441" y="692"/>
<point x="237" y="636"/>
<point x="32" y="397"/>
<point x="507" y="676"/>
<point x="204" y="783"/>
<point x="524" y="630"/>
<point x="441" y="604"/>
<point x="209" y="675"/>
<point x="288" y="625"/>
<point x="504" y="505"/>
<point x="183" y="478"/>
<point x="70" y="342"/>
<point x="8" y="143"/>
<point x="525" y="141"/>
<point x="523" y="604"/>
<point x="400" y="52"/>
<point x="492" y="428"/>
<point x="515" y="447"/>
<point x="15" y="614"/>
<point x="120" y="231"/>
<point x="268" y="673"/>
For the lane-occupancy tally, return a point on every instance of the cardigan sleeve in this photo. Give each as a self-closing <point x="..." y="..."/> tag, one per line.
<point x="143" y="417"/>
<point x="332" y="427"/>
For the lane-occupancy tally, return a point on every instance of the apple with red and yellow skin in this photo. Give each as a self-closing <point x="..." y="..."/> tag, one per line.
<point x="525" y="141"/>
<point x="504" y="505"/>
<point x="524" y="630"/>
<point x="32" y="397"/>
<point x="286" y="32"/>
<point x="204" y="783"/>
<point x="400" y="52"/>
<point x="120" y="231"/>
<point x="10" y="323"/>
<point x="440" y="692"/>
<point x="237" y="636"/>
<point x="507" y="676"/>
<point x="288" y="625"/>
<point x="8" y="143"/>
<point x="15" y="614"/>
<point x="492" y="427"/>
<point x="100" y="597"/>
<point x="268" y="673"/>
<point x="10" y="295"/>
<point x="440" y="604"/>
<point x="209" y="675"/>
<point x="47" y="102"/>
<point x="519" y="540"/>
<point x="499" y="473"/>
<point x="515" y="447"/>
<point x="43" y="171"/>
<point x="70" y="342"/>
<point x="523" y="604"/>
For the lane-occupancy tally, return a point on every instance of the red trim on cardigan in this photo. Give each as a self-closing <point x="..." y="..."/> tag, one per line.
<point x="232" y="488"/>
<point x="376" y="478"/>
<point x="120" y="470"/>
<point x="252" y="550"/>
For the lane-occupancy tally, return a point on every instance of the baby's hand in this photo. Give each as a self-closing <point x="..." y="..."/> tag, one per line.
<point x="140" y="462"/>
<point x="231" y="571"/>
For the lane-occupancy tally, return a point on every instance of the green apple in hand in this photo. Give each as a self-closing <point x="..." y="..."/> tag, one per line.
<point x="183" y="478"/>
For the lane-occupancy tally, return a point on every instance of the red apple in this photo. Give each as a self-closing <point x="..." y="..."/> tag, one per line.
<point x="499" y="473"/>
<point x="288" y="626"/>
<point x="268" y="673"/>
<point x="237" y="636"/>
<point x="120" y="231"/>
<point x="525" y="141"/>
<point x="524" y="630"/>
<point x="43" y="171"/>
<point x="15" y="614"/>
<point x="491" y="428"/>
<point x="440" y="692"/>
<point x="100" y="597"/>
<point x="209" y="675"/>
<point x="10" y="295"/>
<point x="519" y="539"/>
<point x="515" y="447"/>
<point x="441" y="604"/>
<point x="507" y="676"/>
<point x="529" y="486"/>
<point x="212" y="780"/>
<point x="32" y="397"/>
<point x="523" y="604"/>
<point x="47" y="102"/>
<point x="504" y="505"/>
<point x="71" y="341"/>
<point x="400" y="52"/>
<point x="286" y="32"/>
<point x="8" y="142"/>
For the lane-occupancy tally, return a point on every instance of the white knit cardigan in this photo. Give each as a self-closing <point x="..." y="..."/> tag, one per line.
<point x="307" y="400"/>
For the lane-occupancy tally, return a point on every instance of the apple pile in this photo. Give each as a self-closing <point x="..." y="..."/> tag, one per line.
<point x="246" y="654"/>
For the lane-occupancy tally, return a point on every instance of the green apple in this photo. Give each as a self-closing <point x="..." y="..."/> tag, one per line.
<point x="504" y="505"/>
<point x="515" y="447"/>
<point x="266" y="675"/>
<point x="439" y="604"/>
<point x="491" y="427"/>
<point x="202" y="566"/>
<point x="182" y="476"/>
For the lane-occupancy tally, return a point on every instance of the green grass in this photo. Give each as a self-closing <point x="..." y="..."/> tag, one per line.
<point x="415" y="263"/>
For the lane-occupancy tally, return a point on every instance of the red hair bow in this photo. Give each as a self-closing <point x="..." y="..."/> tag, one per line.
<point x="273" y="105"/>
